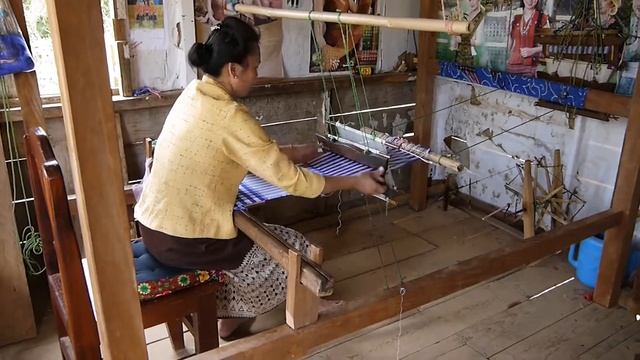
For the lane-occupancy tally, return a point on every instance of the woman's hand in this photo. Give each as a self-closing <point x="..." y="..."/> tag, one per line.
<point x="306" y="152"/>
<point x="371" y="182"/>
<point x="368" y="183"/>
<point x="301" y="154"/>
<point x="528" y="52"/>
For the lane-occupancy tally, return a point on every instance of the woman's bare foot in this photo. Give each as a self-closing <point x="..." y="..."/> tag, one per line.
<point x="226" y="327"/>
<point x="330" y="306"/>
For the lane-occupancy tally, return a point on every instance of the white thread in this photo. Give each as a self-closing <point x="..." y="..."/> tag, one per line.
<point x="339" y="213"/>
<point x="402" y="292"/>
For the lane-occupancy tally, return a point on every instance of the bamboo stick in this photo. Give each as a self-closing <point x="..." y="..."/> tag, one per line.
<point x="558" y="182"/>
<point x="432" y="25"/>
<point x="529" y="208"/>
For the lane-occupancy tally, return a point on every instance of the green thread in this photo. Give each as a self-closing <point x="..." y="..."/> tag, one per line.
<point x="30" y="240"/>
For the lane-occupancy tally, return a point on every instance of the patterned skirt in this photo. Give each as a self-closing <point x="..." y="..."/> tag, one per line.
<point x="260" y="283"/>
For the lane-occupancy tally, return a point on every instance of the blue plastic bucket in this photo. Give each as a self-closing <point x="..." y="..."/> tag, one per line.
<point x="586" y="260"/>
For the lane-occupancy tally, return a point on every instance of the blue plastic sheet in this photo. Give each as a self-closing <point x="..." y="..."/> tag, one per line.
<point x="14" y="54"/>
<point x="572" y="96"/>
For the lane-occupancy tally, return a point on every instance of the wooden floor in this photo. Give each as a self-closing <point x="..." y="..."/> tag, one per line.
<point x="537" y="312"/>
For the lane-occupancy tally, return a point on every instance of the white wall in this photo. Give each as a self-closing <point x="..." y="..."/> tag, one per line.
<point x="590" y="152"/>
<point x="159" y="56"/>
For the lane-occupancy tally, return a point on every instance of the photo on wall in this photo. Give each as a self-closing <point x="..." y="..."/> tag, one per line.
<point x="209" y="13"/>
<point x="145" y="14"/>
<point x="546" y="39"/>
<point x="336" y="47"/>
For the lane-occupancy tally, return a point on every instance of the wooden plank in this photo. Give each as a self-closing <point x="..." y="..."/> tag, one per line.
<point x="494" y="334"/>
<point x="27" y="83"/>
<point x="124" y="64"/>
<point x="528" y="196"/>
<point x="363" y="233"/>
<point x="312" y="276"/>
<point x="444" y="320"/>
<point x="361" y="262"/>
<point x="302" y="304"/>
<point x="608" y="103"/>
<point x="123" y="159"/>
<point x="462" y="353"/>
<point x="567" y="338"/>
<point x="626" y="198"/>
<point x="279" y="342"/>
<point x="424" y="105"/>
<point x="630" y="349"/>
<point x="494" y="222"/>
<point x="436" y="350"/>
<point x="16" y="315"/>
<point x="612" y="346"/>
<point x="92" y="138"/>
<point x="430" y="218"/>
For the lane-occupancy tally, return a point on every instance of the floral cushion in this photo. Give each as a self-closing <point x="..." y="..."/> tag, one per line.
<point x="152" y="289"/>
<point x="155" y="280"/>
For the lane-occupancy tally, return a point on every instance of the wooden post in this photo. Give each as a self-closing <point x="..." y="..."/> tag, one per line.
<point x="528" y="196"/>
<point x="302" y="304"/>
<point x="121" y="31"/>
<point x="626" y="198"/>
<point x="76" y="28"/>
<point x="427" y="69"/>
<point x="557" y="182"/>
<point x="17" y="321"/>
<point x="27" y="83"/>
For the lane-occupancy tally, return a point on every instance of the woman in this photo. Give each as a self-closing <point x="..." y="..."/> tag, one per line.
<point x="208" y="143"/>
<point x="523" y="57"/>
<point x="331" y="44"/>
<point x="607" y="9"/>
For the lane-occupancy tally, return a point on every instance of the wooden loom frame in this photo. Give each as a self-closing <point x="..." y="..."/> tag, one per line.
<point x="88" y="116"/>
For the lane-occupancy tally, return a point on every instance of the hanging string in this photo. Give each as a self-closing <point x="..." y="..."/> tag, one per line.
<point x="444" y="108"/>
<point x="402" y="292"/>
<point x="354" y="90"/>
<point x="339" y="213"/>
<point x="30" y="239"/>
<point x="486" y="178"/>
<point x="376" y="243"/>
<point x="504" y="132"/>
<point x="322" y="59"/>
<point x="364" y="90"/>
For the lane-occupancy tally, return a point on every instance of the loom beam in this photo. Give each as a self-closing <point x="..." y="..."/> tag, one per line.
<point x="418" y="24"/>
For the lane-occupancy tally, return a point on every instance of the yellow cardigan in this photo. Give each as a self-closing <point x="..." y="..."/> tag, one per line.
<point x="207" y="145"/>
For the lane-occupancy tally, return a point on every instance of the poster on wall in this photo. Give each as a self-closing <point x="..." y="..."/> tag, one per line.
<point x="145" y="14"/>
<point x="502" y="35"/>
<point x="631" y="56"/>
<point x="208" y="13"/>
<point x="338" y="48"/>
<point x="571" y="41"/>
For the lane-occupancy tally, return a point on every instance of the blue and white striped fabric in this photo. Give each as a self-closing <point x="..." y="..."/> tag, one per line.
<point x="253" y="190"/>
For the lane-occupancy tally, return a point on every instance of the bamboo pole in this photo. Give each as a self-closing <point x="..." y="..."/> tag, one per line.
<point x="528" y="197"/>
<point x="557" y="183"/>
<point x="419" y="24"/>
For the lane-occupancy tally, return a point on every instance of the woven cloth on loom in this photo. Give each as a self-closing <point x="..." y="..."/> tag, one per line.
<point x="253" y="190"/>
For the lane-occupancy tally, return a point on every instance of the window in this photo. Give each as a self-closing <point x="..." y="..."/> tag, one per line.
<point x="42" y="46"/>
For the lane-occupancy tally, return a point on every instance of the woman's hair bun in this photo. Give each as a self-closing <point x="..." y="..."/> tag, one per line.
<point x="231" y="41"/>
<point x="199" y="54"/>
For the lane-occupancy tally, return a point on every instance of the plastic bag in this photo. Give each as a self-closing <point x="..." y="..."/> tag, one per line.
<point x="14" y="54"/>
